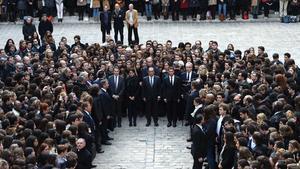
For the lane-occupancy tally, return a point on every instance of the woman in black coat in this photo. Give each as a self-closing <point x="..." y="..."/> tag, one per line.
<point x="228" y="155"/>
<point x="132" y="89"/>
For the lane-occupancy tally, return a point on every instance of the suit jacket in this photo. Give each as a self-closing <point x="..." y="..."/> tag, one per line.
<point x="169" y="91"/>
<point x="132" y="86"/>
<point x="116" y="90"/>
<point x="228" y="157"/>
<point x="97" y="112"/>
<point x="106" y="103"/>
<point x="151" y="92"/>
<point x="89" y="121"/>
<point x="118" y="18"/>
<point x="102" y="20"/>
<point x="199" y="141"/>
<point x="186" y="85"/>
<point x="135" y="18"/>
<point x="189" y="107"/>
<point x="84" y="159"/>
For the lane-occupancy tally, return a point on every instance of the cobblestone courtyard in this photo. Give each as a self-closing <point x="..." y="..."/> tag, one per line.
<point x="161" y="147"/>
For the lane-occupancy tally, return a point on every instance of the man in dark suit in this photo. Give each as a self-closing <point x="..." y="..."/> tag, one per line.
<point x="87" y="117"/>
<point x="116" y="88"/>
<point x="149" y="63"/>
<point x="118" y="17"/>
<point x="189" y="107"/>
<point x="151" y="95"/>
<point x="187" y="77"/>
<point x="85" y="159"/>
<point x="106" y="106"/>
<point x="199" y="142"/>
<point x="105" y="18"/>
<point x="171" y="91"/>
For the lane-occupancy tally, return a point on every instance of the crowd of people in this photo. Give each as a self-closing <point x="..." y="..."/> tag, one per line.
<point x="60" y="100"/>
<point x="207" y="9"/>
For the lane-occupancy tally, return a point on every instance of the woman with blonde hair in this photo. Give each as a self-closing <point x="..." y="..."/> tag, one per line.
<point x="261" y="118"/>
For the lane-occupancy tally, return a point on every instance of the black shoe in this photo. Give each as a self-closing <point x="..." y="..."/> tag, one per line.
<point x="174" y="124"/>
<point x="130" y="124"/>
<point x="148" y="124"/>
<point x="107" y="143"/>
<point x="119" y="125"/>
<point x="169" y="124"/>
<point x="134" y="124"/>
<point x="187" y="124"/>
<point x="93" y="166"/>
<point x="100" y="151"/>
<point x="156" y="124"/>
<point x="188" y="147"/>
<point x="109" y="138"/>
<point x="189" y="140"/>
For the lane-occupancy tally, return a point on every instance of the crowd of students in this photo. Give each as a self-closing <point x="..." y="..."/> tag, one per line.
<point x="207" y="9"/>
<point x="60" y="100"/>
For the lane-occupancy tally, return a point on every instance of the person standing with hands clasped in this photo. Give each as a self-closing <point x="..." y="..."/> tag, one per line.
<point x="118" y="17"/>
<point x="171" y="91"/>
<point x="105" y="18"/>
<point x="132" y="24"/>
<point x="199" y="142"/>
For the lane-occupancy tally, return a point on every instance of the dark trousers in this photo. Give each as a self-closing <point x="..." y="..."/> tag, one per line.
<point x="202" y="11"/>
<point x="81" y="12"/>
<point x="194" y="12"/>
<point x="212" y="10"/>
<point x="117" y="104"/>
<point x="211" y="157"/>
<point x="98" y="136"/>
<point x="151" y="110"/>
<point x="266" y="9"/>
<point x="132" y="112"/>
<point x="11" y="11"/>
<point x="103" y="131"/>
<point x="104" y="33"/>
<point x="119" y="30"/>
<point x="197" y="164"/>
<point x="175" y="14"/>
<point x="172" y="111"/>
<point x="156" y="11"/>
<point x="184" y="13"/>
<point x="136" y="35"/>
<point x="231" y="11"/>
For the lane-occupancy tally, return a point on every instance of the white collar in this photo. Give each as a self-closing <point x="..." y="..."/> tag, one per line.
<point x="103" y="89"/>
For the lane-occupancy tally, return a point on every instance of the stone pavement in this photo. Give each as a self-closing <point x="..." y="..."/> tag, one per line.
<point x="144" y="147"/>
<point x="275" y="36"/>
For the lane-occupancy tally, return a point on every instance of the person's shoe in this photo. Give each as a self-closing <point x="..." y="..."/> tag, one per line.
<point x="174" y="124"/>
<point x="100" y="151"/>
<point x="119" y="125"/>
<point x="130" y="124"/>
<point x="188" y="147"/>
<point x="109" y="138"/>
<point x="189" y="140"/>
<point x="187" y="124"/>
<point x="107" y="143"/>
<point x="156" y="124"/>
<point x="169" y="124"/>
<point x="134" y="124"/>
<point x="93" y="166"/>
<point x="148" y="124"/>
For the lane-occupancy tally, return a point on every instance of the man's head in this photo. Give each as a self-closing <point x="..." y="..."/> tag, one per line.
<point x="171" y="71"/>
<point x="199" y="119"/>
<point x="105" y="8"/>
<point x="117" y="6"/>
<point x="104" y="83"/>
<point x="130" y="7"/>
<point x="188" y="66"/>
<point x="80" y="144"/>
<point x="116" y="71"/>
<point x="149" y="61"/>
<point x="151" y="71"/>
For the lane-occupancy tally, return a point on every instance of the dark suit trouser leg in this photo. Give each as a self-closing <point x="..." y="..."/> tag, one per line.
<point x="119" y="111"/>
<point x="130" y="29"/>
<point x="116" y="30"/>
<point x="148" y="110"/>
<point x="132" y="114"/>
<point x="103" y="36"/>
<point x="103" y="130"/>
<point x="121" y="30"/>
<point x="172" y="111"/>
<point x="211" y="157"/>
<point x="98" y="137"/>
<point x="197" y="164"/>
<point x="136" y="35"/>
<point x="151" y="110"/>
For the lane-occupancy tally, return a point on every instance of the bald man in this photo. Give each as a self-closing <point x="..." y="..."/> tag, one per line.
<point x="118" y="18"/>
<point x="84" y="156"/>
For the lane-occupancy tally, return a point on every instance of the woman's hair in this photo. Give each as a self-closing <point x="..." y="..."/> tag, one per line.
<point x="229" y="139"/>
